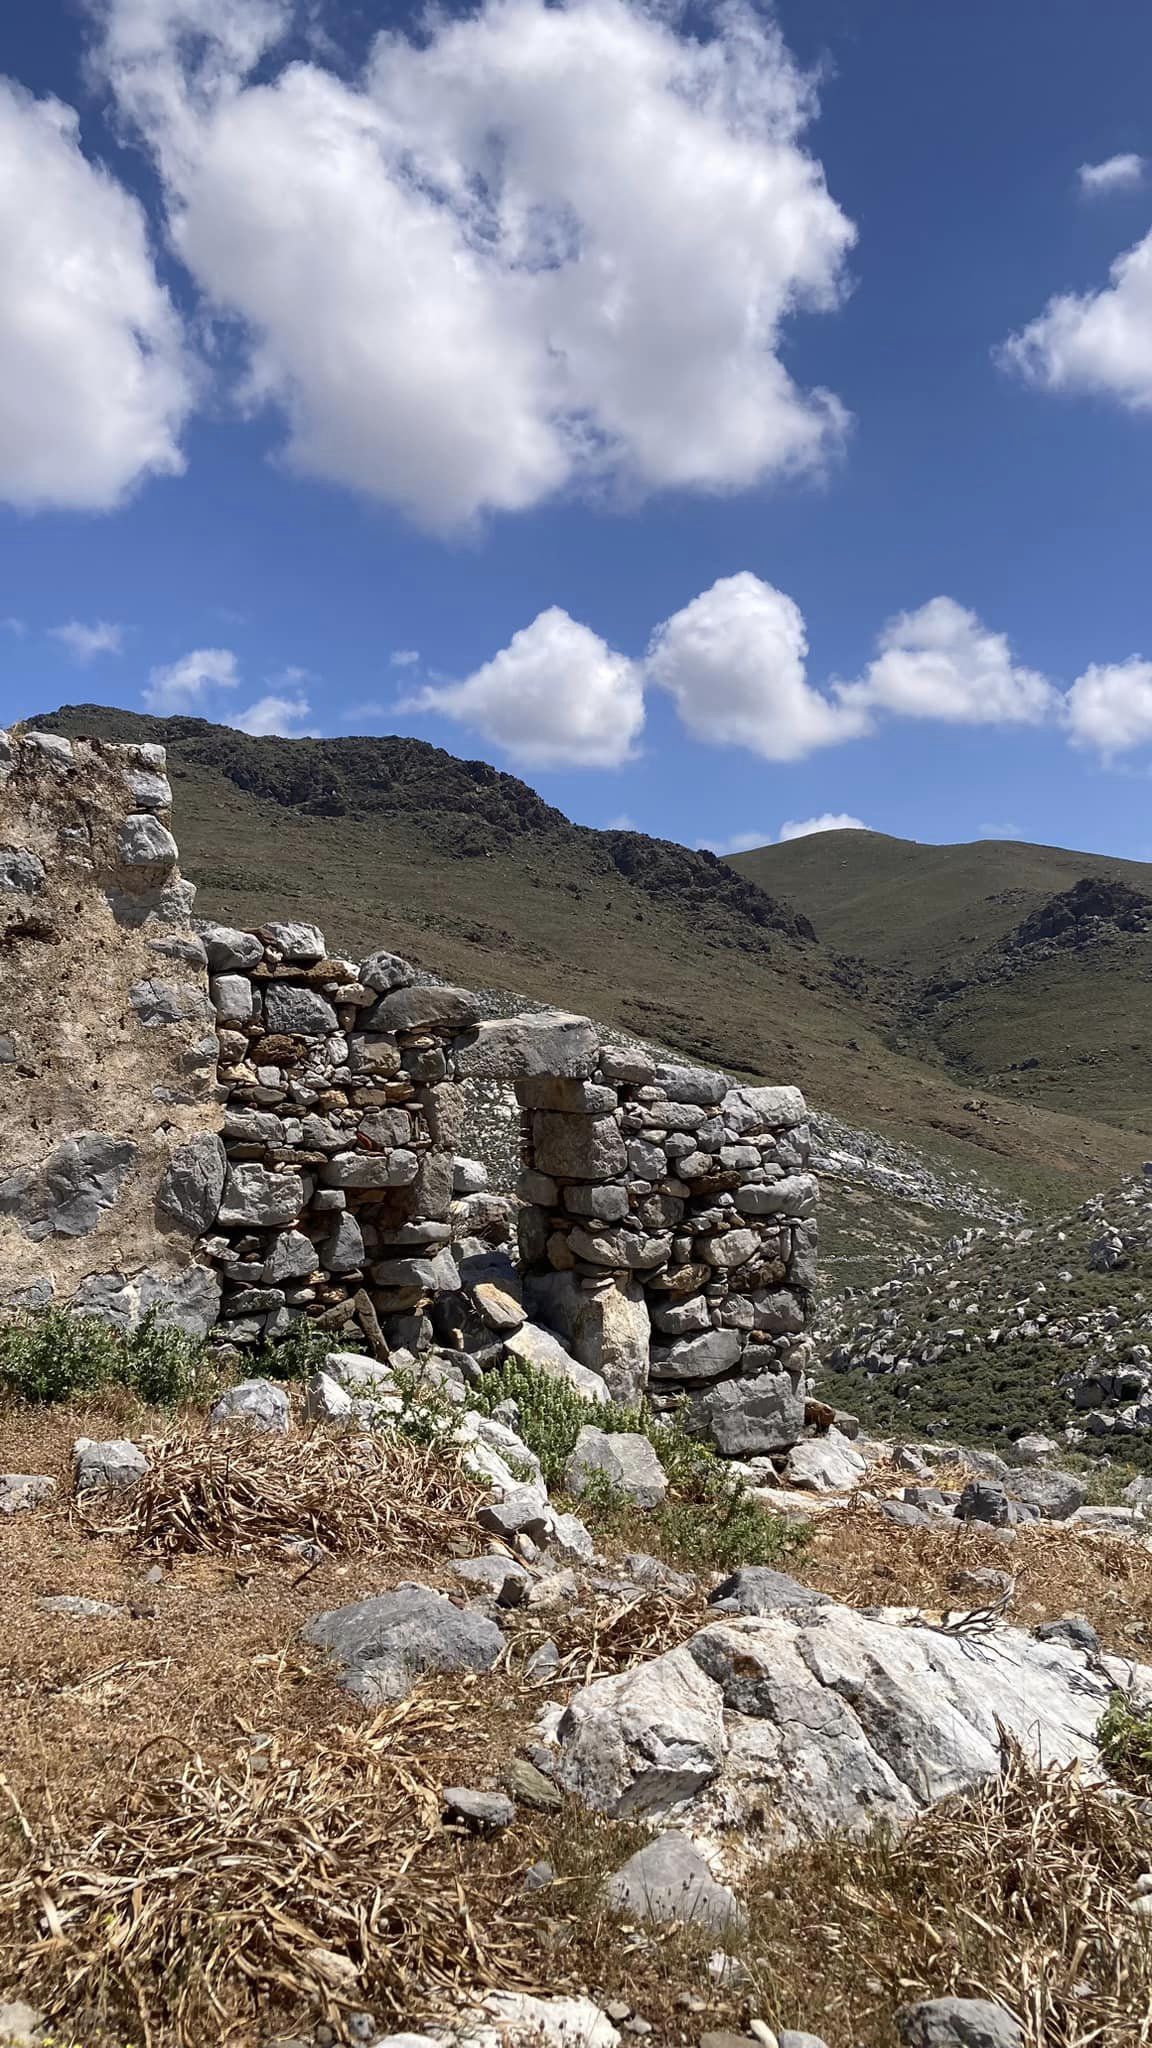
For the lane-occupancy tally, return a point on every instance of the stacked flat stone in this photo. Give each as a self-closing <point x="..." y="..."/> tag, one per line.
<point x="340" y="1130"/>
<point x="677" y="1191"/>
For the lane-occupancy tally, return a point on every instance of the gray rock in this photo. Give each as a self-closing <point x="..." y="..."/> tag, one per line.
<point x="257" y="1404"/>
<point x="21" y="2025"/>
<point x="552" y="1043"/>
<point x="529" y="1787"/>
<point x="1074" y="1629"/>
<point x="414" y="1009"/>
<point x="570" y="1538"/>
<point x="183" y="1297"/>
<point x="794" y="2037"/>
<point x="523" y="1512"/>
<point x="230" y="951"/>
<point x="572" y="1098"/>
<point x="683" y="1318"/>
<point x="1034" y="1450"/>
<point x="297" y="1012"/>
<point x="193" y="1185"/>
<point x="692" y="1084"/>
<point x="545" y="1659"/>
<point x="607" y="1204"/>
<point x="734" y="1248"/>
<point x="291" y="1256"/>
<point x="625" y="1462"/>
<point x="764" y="1109"/>
<point x="905" y="1515"/>
<point x="157" y="1003"/>
<point x="502" y="1577"/>
<point x="383" y="1645"/>
<point x="21" y="871"/>
<point x="983" y="1501"/>
<point x="76" y="1608"/>
<point x="469" y="1177"/>
<point x="627" y="1064"/>
<point x="796" y="1195"/>
<point x="1056" y="1494"/>
<point x="698" y="1358"/>
<point x="70" y="1192"/>
<point x="300" y="945"/>
<point x="143" y="842"/>
<point x="343" y="1252"/>
<point x="385" y="971"/>
<point x="607" y="1329"/>
<point x="958" y="2023"/>
<point x="1138" y="1494"/>
<point x="544" y="1353"/>
<point x="485" y="1813"/>
<point x="396" y="1169"/>
<point x="20" y="1492"/>
<point x="232" y="998"/>
<point x="643" y="1740"/>
<point x="539" y="1876"/>
<point x="757" y="1589"/>
<point x="108" y="1466"/>
<point x="826" y="1464"/>
<point x="669" y="1880"/>
<point x="578" y="1147"/>
<point x="264" y="1200"/>
<point x="749" y="1418"/>
<point x="437" y="1275"/>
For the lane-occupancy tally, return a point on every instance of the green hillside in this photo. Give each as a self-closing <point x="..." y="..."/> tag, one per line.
<point x="466" y="870"/>
<point x="1027" y="969"/>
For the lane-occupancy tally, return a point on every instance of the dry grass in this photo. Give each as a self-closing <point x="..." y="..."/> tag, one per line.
<point x="311" y="1875"/>
<point x="236" y="1492"/>
<point x="196" y="1820"/>
<point x="860" y="1557"/>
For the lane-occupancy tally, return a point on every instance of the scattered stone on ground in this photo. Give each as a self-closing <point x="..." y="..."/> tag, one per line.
<point x="383" y="1645"/>
<point x="670" y="1880"/>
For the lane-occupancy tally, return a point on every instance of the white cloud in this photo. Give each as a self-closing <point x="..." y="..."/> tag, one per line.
<point x="1110" y="706"/>
<point x="538" y="246"/>
<point x="84" y="643"/>
<point x="828" y="821"/>
<point x="404" y="657"/>
<point x="183" y="685"/>
<point x="274" y="714"/>
<point x="17" y="627"/>
<point x="94" y="387"/>
<point x="622" y="822"/>
<point x="739" y="842"/>
<point x="1094" y="342"/>
<point x="734" y="661"/>
<point x="1000" y="832"/>
<point x="1116" y="174"/>
<point x="556" y="696"/>
<point x="943" y="662"/>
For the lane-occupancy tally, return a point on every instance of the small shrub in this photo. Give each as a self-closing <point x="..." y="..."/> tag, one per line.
<point x="57" y="1355"/>
<point x="709" y="1520"/>
<point x="299" y="1354"/>
<point x="1125" y="1739"/>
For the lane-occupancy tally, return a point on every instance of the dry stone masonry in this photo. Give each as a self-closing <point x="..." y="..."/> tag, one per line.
<point x="246" y="1133"/>
<point x="107" y="1046"/>
<point x="668" y="1232"/>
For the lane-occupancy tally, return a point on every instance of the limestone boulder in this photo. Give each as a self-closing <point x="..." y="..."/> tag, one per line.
<point x="552" y="1042"/>
<point x="669" y="1881"/>
<point x="624" y="1462"/>
<point x="750" y="1418"/>
<point x="382" y="1646"/>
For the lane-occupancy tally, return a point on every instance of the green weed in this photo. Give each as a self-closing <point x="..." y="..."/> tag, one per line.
<point x="1125" y="1739"/>
<point x="56" y="1355"/>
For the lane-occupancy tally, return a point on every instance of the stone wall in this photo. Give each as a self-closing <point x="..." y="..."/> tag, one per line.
<point x="340" y="1136"/>
<point x="241" y="1130"/>
<point x="669" y="1234"/>
<point x="107" y="1051"/>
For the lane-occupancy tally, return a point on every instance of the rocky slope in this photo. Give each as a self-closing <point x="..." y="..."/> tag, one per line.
<point x="1046" y="1326"/>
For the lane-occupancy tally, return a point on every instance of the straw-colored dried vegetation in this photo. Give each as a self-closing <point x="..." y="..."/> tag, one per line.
<point x="202" y="1840"/>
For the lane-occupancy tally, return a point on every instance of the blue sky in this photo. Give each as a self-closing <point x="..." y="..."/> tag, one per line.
<point x="504" y="347"/>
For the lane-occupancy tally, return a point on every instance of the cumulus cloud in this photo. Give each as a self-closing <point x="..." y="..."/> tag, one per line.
<point x="557" y="695"/>
<point x="274" y="714"/>
<point x="536" y="247"/>
<point x="94" y="385"/>
<point x="1109" y="707"/>
<point x="734" y="662"/>
<point x="1116" y="174"/>
<point x="84" y="643"/>
<point x="404" y="657"/>
<point x="185" y="683"/>
<point x="1094" y="342"/>
<point x="828" y="821"/>
<point x="943" y="662"/>
<point x="794" y="828"/>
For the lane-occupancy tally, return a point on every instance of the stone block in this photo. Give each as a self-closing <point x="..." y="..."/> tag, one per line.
<point x="571" y="1098"/>
<point x="700" y="1358"/>
<point x="193" y="1185"/>
<point x="578" y="1147"/>
<point x="693" y="1084"/>
<point x="259" y="1198"/>
<point x="418" y="1008"/>
<point x="297" y="1012"/>
<point x="297" y="944"/>
<point x="552" y="1042"/>
<point x="749" y="1418"/>
<point x="397" y="1169"/>
<point x="625" y="1462"/>
<point x="229" y="950"/>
